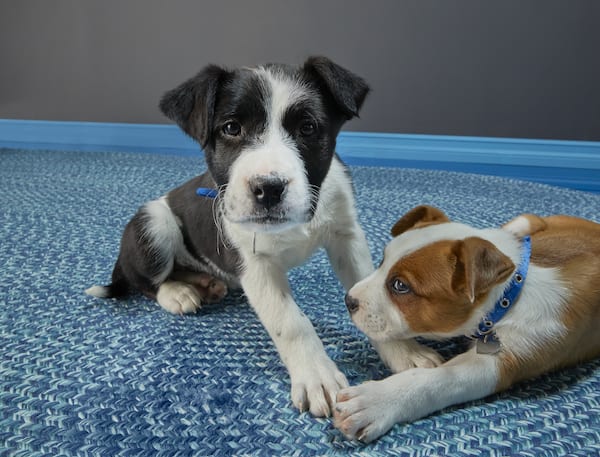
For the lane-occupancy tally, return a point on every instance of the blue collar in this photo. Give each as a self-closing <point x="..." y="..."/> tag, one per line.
<point x="207" y="192"/>
<point x="487" y="341"/>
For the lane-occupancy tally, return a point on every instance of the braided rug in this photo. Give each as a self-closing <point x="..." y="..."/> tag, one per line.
<point x="83" y="377"/>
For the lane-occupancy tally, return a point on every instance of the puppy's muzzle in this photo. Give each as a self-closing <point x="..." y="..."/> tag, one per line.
<point x="351" y="303"/>
<point x="268" y="191"/>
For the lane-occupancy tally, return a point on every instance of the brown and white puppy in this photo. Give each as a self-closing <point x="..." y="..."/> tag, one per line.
<point x="442" y="279"/>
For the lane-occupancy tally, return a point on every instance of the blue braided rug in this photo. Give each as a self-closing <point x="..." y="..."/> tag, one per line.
<point x="85" y="377"/>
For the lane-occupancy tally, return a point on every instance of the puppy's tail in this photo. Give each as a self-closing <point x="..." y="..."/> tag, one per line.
<point x="119" y="286"/>
<point x="111" y="290"/>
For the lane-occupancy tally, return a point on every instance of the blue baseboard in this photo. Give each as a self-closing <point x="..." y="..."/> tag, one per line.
<point x="573" y="164"/>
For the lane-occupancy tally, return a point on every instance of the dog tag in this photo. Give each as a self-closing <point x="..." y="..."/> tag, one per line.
<point x="489" y="345"/>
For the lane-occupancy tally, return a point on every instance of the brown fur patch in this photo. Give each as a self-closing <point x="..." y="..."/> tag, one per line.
<point x="420" y="216"/>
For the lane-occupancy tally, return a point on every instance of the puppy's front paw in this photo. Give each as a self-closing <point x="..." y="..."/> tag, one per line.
<point x="315" y="386"/>
<point x="364" y="412"/>
<point x="401" y="355"/>
<point x="178" y="297"/>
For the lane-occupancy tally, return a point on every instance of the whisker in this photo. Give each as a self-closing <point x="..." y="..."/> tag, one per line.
<point x="217" y="210"/>
<point x="314" y="195"/>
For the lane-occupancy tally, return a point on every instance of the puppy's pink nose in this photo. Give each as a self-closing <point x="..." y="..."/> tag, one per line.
<point x="351" y="303"/>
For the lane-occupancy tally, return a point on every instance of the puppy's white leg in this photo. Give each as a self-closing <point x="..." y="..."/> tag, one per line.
<point x="178" y="297"/>
<point x="367" y="411"/>
<point x="349" y="255"/>
<point x="400" y="355"/>
<point x="315" y="378"/>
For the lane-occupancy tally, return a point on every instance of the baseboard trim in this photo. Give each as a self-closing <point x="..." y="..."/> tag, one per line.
<point x="574" y="164"/>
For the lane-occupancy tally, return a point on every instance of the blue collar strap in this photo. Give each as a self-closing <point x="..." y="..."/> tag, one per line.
<point x="207" y="192"/>
<point x="487" y="342"/>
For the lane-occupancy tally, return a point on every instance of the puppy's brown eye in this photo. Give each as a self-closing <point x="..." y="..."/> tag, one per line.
<point x="308" y="128"/>
<point x="232" y="128"/>
<point x="399" y="287"/>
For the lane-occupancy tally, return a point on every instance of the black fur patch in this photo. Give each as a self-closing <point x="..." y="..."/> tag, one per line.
<point x="243" y="99"/>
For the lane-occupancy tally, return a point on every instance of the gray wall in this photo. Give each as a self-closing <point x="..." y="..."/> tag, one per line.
<point x="512" y="68"/>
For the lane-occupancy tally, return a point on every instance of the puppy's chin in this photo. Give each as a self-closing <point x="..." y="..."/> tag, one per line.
<point x="268" y="226"/>
<point x="380" y="329"/>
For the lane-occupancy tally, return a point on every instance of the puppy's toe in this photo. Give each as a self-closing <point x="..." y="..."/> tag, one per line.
<point x="319" y="404"/>
<point x="311" y="397"/>
<point x="346" y="394"/>
<point x="350" y="419"/>
<point x="217" y="290"/>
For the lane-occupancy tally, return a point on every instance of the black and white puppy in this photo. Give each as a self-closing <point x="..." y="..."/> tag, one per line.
<point x="269" y="135"/>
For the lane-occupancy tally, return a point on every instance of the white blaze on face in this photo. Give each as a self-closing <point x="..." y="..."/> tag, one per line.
<point x="275" y="154"/>
<point x="377" y="317"/>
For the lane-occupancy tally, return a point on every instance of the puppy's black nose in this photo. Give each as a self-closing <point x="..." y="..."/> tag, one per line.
<point x="351" y="303"/>
<point x="267" y="190"/>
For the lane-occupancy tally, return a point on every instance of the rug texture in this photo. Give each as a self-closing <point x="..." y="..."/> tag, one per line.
<point x="86" y="377"/>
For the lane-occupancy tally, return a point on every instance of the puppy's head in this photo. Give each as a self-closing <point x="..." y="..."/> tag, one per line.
<point x="269" y="134"/>
<point x="433" y="279"/>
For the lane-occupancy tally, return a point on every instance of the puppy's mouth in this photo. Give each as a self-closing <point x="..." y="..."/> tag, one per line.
<point x="268" y="210"/>
<point x="269" y="222"/>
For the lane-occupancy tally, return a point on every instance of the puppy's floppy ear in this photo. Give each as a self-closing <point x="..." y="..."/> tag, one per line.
<point x="479" y="266"/>
<point x="192" y="104"/>
<point x="419" y="216"/>
<point x="347" y="89"/>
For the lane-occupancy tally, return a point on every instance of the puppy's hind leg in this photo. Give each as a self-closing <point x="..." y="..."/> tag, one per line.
<point x="146" y="260"/>
<point x="158" y="240"/>
<point x="146" y="256"/>
<point x="211" y="289"/>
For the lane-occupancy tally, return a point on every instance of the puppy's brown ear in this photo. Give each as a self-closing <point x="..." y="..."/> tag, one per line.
<point x="347" y="89"/>
<point x="192" y="104"/>
<point x="419" y="217"/>
<point x="479" y="267"/>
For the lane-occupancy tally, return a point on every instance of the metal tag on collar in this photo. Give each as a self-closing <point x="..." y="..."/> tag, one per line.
<point x="489" y="344"/>
<point x="206" y="192"/>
